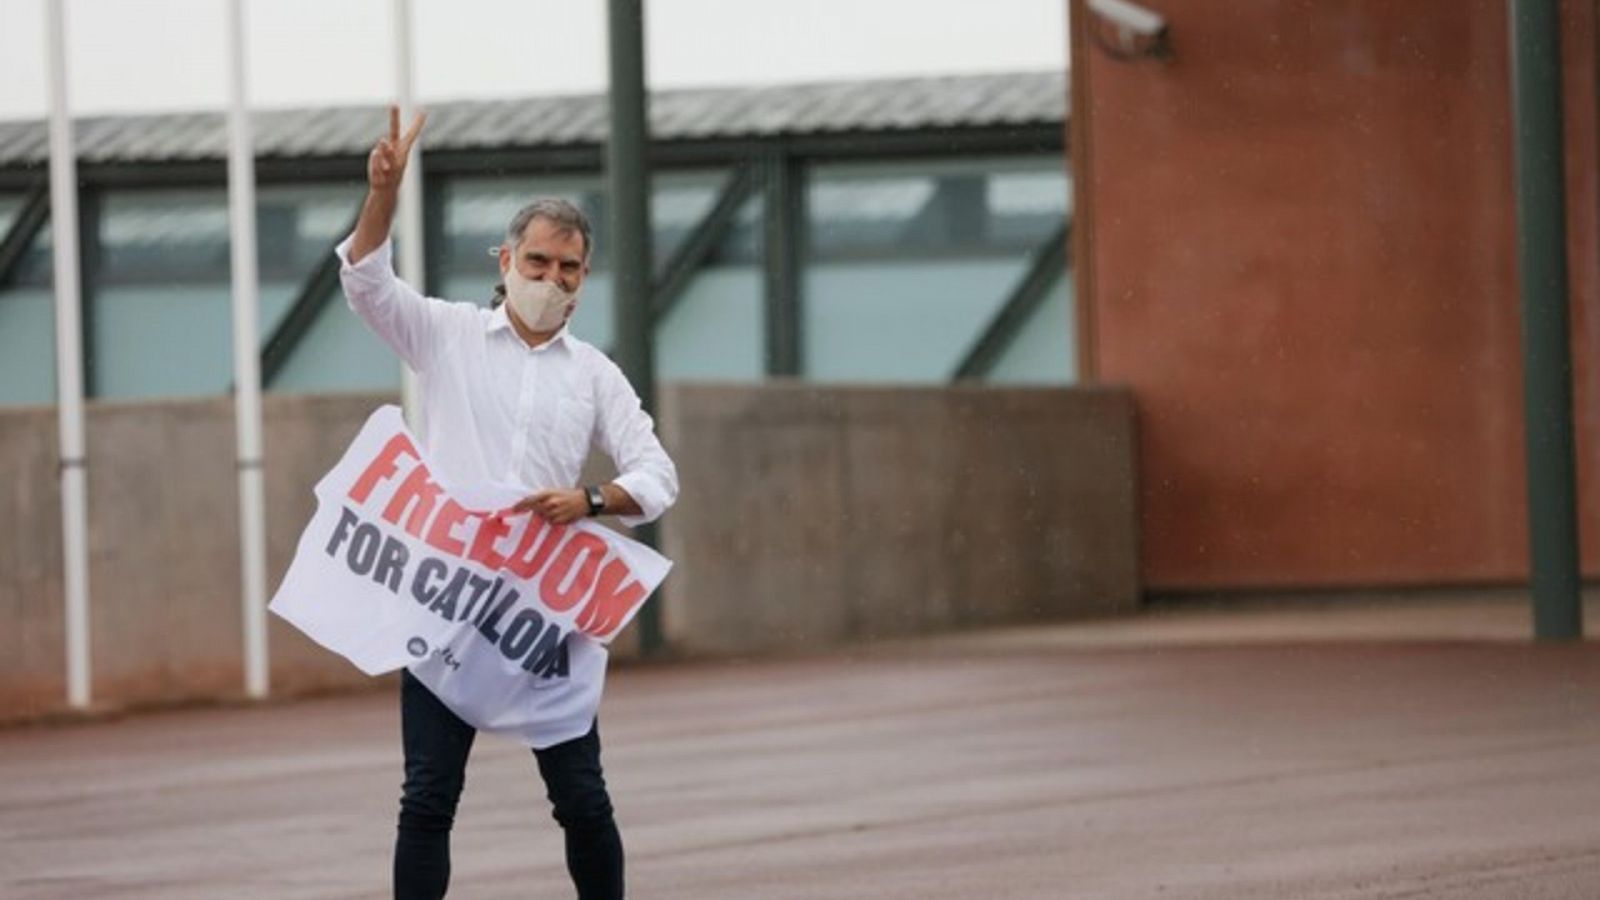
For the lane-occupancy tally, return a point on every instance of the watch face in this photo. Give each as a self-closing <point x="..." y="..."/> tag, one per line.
<point x="597" y="501"/>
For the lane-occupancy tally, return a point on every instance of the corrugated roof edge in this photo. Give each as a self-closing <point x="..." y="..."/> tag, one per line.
<point x="689" y="114"/>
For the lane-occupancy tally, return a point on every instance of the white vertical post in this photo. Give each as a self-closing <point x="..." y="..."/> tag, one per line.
<point x="246" y="361"/>
<point x="69" y="360"/>
<point x="413" y="262"/>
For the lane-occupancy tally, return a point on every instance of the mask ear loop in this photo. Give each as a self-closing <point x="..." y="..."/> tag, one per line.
<point x="500" y="286"/>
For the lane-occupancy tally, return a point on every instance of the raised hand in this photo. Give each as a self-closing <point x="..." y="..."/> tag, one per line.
<point x="386" y="164"/>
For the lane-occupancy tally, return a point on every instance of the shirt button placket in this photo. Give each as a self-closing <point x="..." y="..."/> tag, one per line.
<point x="524" y="419"/>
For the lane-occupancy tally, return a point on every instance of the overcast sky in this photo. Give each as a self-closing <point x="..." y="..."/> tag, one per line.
<point x="144" y="55"/>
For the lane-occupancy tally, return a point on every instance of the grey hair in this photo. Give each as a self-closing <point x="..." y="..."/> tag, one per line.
<point x="566" y="217"/>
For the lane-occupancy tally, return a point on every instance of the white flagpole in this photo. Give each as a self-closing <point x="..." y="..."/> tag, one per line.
<point x="69" y="361"/>
<point x="247" y="361"/>
<point x="413" y="264"/>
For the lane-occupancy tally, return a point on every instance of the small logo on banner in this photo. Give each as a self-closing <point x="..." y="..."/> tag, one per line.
<point x="417" y="647"/>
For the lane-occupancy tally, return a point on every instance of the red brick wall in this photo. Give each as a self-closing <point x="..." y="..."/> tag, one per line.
<point x="1299" y="251"/>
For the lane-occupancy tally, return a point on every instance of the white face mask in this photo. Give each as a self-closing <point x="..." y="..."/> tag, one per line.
<point x="541" y="305"/>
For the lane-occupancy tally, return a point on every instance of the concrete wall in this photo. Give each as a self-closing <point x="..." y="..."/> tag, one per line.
<point x="813" y="515"/>
<point x="33" y="673"/>
<point x="165" y="617"/>
<point x="1297" y="248"/>
<point x="807" y="517"/>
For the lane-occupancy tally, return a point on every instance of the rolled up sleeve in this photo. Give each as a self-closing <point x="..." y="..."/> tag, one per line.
<point x="394" y="310"/>
<point x="627" y="435"/>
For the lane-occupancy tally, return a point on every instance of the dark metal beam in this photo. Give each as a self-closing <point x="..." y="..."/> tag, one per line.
<point x="320" y="286"/>
<point x="91" y="255"/>
<point x="1546" y="354"/>
<point x="580" y="158"/>
<point x="931" y="144"/>
<point x="1049" y="264"/>
<point x="208" y="173"/>
<point x="435" y="239"/>
<point x="702" y="242"/>
<point x="628" y="209"/>
<point x="783" y="238"/>
<point x="24" y="228"/>
<point x="1038" y="138"/>
<point x="628" y="179"/>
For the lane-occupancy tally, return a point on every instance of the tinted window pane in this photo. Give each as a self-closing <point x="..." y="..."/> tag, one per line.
<point x="909" y="262"/>
<point x="27" y="320"/>
<point x="161" y="321"/>
<point x="717" y="329"/>
<point x="1044" y="352"/>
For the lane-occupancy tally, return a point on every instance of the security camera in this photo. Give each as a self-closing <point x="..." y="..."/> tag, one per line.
<point x="1138" y="31"/>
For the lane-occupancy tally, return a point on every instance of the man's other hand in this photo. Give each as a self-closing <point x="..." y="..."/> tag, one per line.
<point x="556" y="507"/>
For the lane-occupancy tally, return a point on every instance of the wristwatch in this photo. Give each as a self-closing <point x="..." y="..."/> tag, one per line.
<point x="597" y="500"/>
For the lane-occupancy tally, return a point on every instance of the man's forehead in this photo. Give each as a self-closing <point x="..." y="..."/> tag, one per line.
<point x="542" y="234"/>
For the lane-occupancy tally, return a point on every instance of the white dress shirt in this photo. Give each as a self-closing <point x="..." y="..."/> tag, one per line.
<point x="497" y="411"/>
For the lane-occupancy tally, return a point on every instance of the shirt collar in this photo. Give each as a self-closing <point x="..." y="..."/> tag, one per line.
<point x="500" y="320"/>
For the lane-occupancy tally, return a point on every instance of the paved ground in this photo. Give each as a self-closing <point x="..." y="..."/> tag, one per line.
<point x="1240" y="755"/>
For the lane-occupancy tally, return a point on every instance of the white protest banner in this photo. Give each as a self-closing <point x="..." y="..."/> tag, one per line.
<point x="399" y="569"/>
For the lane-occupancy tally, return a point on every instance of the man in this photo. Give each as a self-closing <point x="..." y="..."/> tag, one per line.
<point x="509" y="395"/>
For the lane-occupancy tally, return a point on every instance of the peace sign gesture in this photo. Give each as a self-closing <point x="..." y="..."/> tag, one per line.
<point x="386" y="165"/>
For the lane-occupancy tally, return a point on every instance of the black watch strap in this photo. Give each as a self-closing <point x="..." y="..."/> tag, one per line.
<point x="597" y="500"/>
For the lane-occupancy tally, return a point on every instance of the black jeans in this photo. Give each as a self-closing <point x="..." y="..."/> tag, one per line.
<point x="437" y="743"/>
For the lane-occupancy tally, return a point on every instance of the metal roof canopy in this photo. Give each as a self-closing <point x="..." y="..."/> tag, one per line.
<point x="915" y="116"/>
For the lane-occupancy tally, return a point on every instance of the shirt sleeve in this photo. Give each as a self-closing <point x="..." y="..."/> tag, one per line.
<point x="627" y="435"/>
<point x="394" y="310"/>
